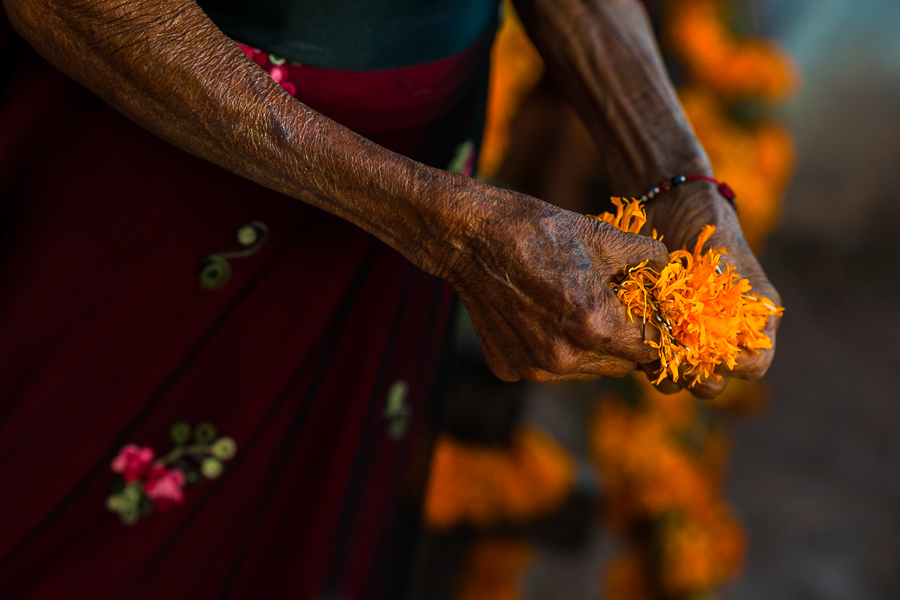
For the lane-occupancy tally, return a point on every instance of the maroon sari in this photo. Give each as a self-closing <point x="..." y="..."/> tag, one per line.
<point x="318" y="357"/>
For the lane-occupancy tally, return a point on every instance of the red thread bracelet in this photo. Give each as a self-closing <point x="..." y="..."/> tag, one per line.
<point x="665" y="186"/>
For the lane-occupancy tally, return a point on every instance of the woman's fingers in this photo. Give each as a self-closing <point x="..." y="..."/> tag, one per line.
<point x="540" y="300"/>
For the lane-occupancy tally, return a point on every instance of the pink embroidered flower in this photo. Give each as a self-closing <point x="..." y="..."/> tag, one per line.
<point x="148" y="483"/>
<point x="165" y="487"/>
<point x="289" y="87"/>
<point x="251" y="52"/>
<point x="133" y="462"/>
<point x="277" y="74"/>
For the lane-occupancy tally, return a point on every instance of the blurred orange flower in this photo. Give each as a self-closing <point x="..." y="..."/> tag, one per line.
<point x="626" y="578"/>
<point x="653" y="476"/>
<point x="720" y="61"/>
<point x="639" y="453"/>
<point x="482" y="485"/>
<point x="516" y="67"/>
<point x="700" y="554"/>
<point x="756" y="160"/>
<point x="493" y="570"/>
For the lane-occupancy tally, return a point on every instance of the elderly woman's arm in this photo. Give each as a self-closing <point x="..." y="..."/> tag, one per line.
<point x="604" y="54"/>
<point x="533" y="277"/>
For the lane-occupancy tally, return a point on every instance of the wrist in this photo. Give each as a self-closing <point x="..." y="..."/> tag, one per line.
<point x="485" y="226"/>
<point x="681" y="212"/>
<point x="452" y="216"/>
<point x="667" y="184"/>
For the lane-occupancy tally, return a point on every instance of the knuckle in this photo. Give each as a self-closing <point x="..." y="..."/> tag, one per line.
<point x="621" y="368"/>
<point x="583" y="377"/>
<point x="589" y="325"/>
<point x="629" y="342"/>
<point x="658" y="254"/>
<point x="610" y="366"/>
<point x="645" y="353"/>
<point x="558" y="359"/>
<point x="707" y="390"/>
<point x="755" y="374"/>
<point x="540" y="376"/>
<point x="502" y="369"/>
<point x="667" y="387"/>
<point x="756" y="366"/>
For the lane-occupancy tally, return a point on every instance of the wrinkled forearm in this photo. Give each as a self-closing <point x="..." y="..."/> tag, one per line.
<point x="604" y="54"/>
<point x="165" y="65"/>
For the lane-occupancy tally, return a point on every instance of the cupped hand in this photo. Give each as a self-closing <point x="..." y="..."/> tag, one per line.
<point x="535" y="281"/>
<point x="679" y="215"/>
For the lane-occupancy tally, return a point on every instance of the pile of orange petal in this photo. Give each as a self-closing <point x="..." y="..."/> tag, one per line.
<point x="703" y="310"/>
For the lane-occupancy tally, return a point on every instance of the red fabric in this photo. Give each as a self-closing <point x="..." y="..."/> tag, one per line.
<point x="106" y="339"/>
<point x="381" y="101"/>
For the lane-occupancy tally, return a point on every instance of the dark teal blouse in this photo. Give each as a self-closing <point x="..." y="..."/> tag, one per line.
<point x="355" y="35"/>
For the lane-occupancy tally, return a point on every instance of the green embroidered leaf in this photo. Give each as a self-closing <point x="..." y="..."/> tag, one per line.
<point x="464" y="154"/>
<point x="132" y="493"/>
<point x="114" y="503"/>
<point x="224" y="448"/>
<point x="130" y="515"/>
<point x="180" y="432"/>
<point x="191" y="475"/>
<point x="205" y="432"/>
<point x="211" y="468"/>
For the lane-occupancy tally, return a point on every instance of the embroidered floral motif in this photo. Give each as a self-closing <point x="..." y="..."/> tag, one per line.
<point x="464" y="160"/>
<point x="275" y="66"/>
<point x="133" y="462"/>
<point x="147" y="484"/>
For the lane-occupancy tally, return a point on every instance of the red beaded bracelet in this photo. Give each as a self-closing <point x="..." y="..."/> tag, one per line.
<point x="665" y="186"/>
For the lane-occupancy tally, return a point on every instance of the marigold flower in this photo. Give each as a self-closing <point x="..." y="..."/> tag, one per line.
<point x="704" y="312"/>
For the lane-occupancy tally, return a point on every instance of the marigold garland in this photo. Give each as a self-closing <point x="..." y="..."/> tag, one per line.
<point x="718" y="60"/>
<point x="661" y="457"/>
<point x="664" y="468"/>
<point x="493" y="570"/>
<point x="626" y="578"/>
<point x="727" y="75"/>
<point x="704" y="312"/>
<point x="757" y="159"/>
<point x="516" y="67"/>
<point x="478" y="485"/>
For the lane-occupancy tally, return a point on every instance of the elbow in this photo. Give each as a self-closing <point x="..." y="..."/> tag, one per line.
<point x="24" y="15"/>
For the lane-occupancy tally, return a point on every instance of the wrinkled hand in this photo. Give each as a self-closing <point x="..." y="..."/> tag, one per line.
<point x="679" y="215"/>
<point x="535" y="281"/>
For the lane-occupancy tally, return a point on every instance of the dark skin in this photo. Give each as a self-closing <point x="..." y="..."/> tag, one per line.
<point x="533" y="277"/>
<point x="604" y="54"/>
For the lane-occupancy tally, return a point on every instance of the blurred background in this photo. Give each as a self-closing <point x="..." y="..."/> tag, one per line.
<point x="805" y="465"/>
<point x="816" y="477"/>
